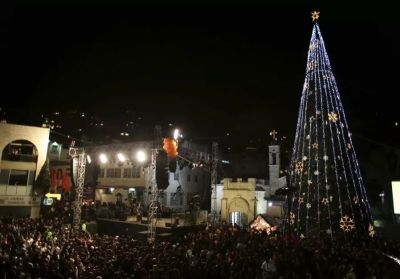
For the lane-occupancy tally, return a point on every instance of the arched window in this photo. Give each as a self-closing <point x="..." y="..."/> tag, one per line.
<point x="20" y="150"/>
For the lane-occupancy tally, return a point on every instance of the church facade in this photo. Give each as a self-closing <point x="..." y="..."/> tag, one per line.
<point x="240" y="200"/>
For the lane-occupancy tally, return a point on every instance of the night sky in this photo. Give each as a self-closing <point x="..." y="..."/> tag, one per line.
<point x="212" y="69"/>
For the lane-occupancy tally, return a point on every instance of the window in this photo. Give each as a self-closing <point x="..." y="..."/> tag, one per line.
<point x="114" y="173"/>
<point x="195" y="178"/>
<point x="31" y="178"/>
<point x="108" y="191"/>
<point x="136" y="171"/>
<point x="273" y="158"/>
<point x="4" y="175"/>
<point x="20" y="150"/>
<point x="188" y="178"/>
<point x="133" y="172"/>
<point x="176" y="199"/>
<point x="18" y="177"/>
<point x="101" y="173"/>
<point x="55" y="149"/>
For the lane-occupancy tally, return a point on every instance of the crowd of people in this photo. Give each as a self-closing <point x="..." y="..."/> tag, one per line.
<point x="49" y="248"/>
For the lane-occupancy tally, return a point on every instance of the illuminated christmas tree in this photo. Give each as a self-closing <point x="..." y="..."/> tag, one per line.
<point x="329" y="197"/>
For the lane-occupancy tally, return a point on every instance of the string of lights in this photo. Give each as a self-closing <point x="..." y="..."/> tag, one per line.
<point x="329" y="197"/>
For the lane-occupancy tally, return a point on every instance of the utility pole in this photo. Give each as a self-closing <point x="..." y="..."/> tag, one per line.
<point x="78" y="157"/>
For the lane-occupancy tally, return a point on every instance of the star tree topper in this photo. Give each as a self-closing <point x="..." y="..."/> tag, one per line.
<point x="315" y="15"/>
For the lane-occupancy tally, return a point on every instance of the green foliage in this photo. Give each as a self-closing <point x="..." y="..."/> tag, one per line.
<point x="42" y="184"/>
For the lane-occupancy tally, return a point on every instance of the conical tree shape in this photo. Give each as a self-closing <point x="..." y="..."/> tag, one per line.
<point x="329" y="198"/>
<point x="42" y="184"/>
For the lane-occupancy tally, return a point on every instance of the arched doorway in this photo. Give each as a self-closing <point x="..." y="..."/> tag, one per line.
<point x="238" y="211"/>
<point x="238" y="218"/>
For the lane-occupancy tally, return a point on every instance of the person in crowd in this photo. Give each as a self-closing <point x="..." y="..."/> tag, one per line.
<point x="49" y="248"/>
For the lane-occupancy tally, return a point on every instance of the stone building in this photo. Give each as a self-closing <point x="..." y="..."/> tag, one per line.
<point x="240" y="200"/>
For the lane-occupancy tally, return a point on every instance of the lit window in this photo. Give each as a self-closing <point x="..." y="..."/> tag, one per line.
<point x="114" y="173"/>
<point x="18" y="177"/>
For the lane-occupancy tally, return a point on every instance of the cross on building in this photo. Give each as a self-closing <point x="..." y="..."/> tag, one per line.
<point x="273" y="134"/>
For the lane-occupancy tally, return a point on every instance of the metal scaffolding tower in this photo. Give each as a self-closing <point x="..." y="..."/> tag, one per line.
<point x="214" y="180"/>
<point x="78" y="164"/>
<point x="153" y="199"/>
<point x="152" y="187"/>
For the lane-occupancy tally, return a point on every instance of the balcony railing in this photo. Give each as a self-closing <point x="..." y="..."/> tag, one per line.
<point x="19" y="157"/>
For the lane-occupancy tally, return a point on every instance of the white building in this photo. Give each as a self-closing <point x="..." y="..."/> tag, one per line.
<point x="120" y="180"/>
<point x="24" y="151"/>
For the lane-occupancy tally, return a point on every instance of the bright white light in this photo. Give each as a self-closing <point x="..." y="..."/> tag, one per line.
<point x="103" y="158"/>
<point x="121" y="157"/>
<point x="112" y="189"/>
<point x="270" y="204"/>
<point x="176" y="134"/>
<point x="88" y="158"/>
<point x="54" y="143"/>
<point x="141" y="156"/>
<point x="396" y="196"/>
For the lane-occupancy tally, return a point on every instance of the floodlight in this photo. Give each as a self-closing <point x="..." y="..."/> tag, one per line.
<point x="103" y="158"/>
<point x="176" y="134"/>
<point x="121" y="157"/>
<point x="141" y="156"/>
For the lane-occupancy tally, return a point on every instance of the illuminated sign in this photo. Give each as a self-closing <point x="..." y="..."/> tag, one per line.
<point x="396" y="196"/>
<point x="48" y="201"/>
<point x="51" y="195"/>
